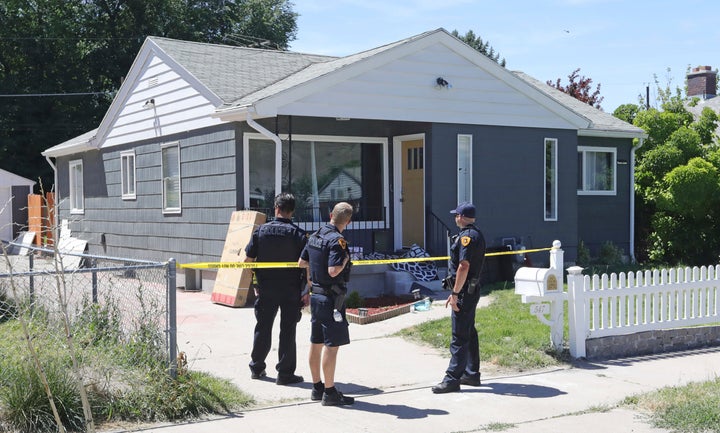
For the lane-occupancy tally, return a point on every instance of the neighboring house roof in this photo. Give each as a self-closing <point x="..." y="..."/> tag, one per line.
<point x="601" y="123"/>
<point x="697" y="108"/>
<point x="236" y="82"/>
<point x="8" y="179"/>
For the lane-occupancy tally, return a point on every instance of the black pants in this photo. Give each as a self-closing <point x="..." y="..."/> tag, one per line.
<point x="266" y="309"/>
<point x="464" y="346"/>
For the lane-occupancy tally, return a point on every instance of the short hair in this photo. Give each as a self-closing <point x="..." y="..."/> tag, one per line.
<point x="341" y="213"/>
<point x="285" y="202"/>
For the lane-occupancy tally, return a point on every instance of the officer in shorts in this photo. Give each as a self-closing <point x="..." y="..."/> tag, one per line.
<point x="467" y="256"/>
<point x="327" y="256"/>
<point x="279" y="240"/>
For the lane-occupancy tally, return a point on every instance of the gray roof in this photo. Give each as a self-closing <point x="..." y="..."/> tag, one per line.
<point x="600" y="121"/>
<point x="233" y="72"/>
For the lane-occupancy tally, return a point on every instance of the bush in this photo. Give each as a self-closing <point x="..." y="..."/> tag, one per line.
<point x="354" y="300"/>
<point x="583" y="255"/>
<point x="610" y="254"/>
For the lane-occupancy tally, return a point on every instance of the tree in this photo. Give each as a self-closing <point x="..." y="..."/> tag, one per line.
<point x="677" y="184"/>
<point x="477" y="43"/>
<point x="580" y="90"/>
<point x="61" y="61"/>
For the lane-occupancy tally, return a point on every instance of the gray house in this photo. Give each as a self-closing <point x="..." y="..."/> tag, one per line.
<point x="198" y="131"/>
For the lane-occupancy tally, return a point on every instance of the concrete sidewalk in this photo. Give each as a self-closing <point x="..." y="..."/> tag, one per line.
<point x="391" y="380"/>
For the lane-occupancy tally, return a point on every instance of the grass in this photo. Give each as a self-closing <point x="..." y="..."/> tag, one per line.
<point x="126" y="380"/>
<point x="509" y="336"/>
<point x="691" y="408"/>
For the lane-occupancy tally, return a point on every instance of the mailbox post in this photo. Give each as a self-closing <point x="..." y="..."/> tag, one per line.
<point x="543" y="288"/>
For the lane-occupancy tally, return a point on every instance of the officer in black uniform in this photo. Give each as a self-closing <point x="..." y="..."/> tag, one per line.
<point x="328" y="258"/>
<point x="467" y="255"/>
<point x="277" y="241"/>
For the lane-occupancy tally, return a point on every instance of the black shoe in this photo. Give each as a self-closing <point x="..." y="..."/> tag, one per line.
<point x="336" y="399"/>
<point x="470" y="380"/>
<point x="257" y="375"/>
<point x="288" y="380"/>
<point x="444" y="387"/>
<point x="317" y="394"/>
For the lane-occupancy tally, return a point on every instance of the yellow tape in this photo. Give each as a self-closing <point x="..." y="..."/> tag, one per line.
<point x="264" y="265"/>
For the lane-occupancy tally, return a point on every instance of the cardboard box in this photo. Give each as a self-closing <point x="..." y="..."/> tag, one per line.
<point x="232" y="285"/>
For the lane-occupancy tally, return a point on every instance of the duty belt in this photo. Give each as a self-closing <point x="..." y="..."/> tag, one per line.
<point x="326" y="289"/>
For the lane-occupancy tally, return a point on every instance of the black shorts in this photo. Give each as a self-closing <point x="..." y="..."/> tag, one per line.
<point x="324" y="329"/>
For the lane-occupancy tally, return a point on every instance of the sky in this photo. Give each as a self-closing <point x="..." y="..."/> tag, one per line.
<point x="622" y="45"/>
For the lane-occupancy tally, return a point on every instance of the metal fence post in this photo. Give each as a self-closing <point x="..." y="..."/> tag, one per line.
<point x="172" y="317"/>
<point x="93" y="264"/>
<point x="31" y="279"/>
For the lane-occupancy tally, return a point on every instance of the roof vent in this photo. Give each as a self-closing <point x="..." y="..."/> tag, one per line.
<point x="152" y="82"/>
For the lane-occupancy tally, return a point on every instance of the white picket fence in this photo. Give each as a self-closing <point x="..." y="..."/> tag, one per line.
<point x="621" y="304"/>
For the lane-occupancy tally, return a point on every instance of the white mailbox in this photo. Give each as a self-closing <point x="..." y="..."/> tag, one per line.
<point x="537" y="282"/>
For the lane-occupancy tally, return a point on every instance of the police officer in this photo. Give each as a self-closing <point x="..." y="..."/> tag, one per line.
<point x="467" y="255"/>
<point x="277" y="241"/>
<point x="328" y="258"/>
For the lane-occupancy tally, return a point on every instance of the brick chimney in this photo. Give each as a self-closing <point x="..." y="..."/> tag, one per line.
<point x="701" y="82"/>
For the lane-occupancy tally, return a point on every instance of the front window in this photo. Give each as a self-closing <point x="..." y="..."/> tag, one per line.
<point x="596" y="170"/>
<point x="464" y="164"/>
<point x="319" y="171"/>
<point x="77" y="197"/>
<point x="127" y="175"/>
<point x="551" y="186"/>
<point x="171" y="178"/>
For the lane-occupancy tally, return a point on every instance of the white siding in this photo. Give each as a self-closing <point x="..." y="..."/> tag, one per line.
<point x="178" y="107"/>
<point x="406" y="89"/>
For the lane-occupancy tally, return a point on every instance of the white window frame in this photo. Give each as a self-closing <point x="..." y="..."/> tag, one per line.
<point x="127" y="169"/>
<point x="170" y="209"/>
<point x="554" y="186"/>
<point x="587" y="149"/>
<point x="77" y="190"/>
<point x="464" y="168"/>
<point x="248" y="136"/>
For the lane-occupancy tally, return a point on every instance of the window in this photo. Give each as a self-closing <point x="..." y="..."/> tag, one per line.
<point x="171" y="178"/>
<point x="127" y="175"/>
<point x="551" y="185"/>
<point x="596" y="170"/>
<point x="464" y="164"/>
<point x="77" y="198"/>
<point x="319" y="171"/>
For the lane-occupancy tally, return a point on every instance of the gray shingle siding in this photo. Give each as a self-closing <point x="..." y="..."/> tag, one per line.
<point x="138" y="228"/>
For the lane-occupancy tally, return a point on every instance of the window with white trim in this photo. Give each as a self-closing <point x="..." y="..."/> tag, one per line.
<point x="320" y="171"/>
<point x="127" y="174"/>
<point x="596" y="170"/>
<point x="77" y="195"/>
<point x="464" y="165"/>
<point x="171" y="178"/>
<point x="551" y="184"/>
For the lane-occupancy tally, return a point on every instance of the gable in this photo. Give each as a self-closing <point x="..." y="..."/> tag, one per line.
<point x="161" y="100"/>
<point x="399" y="82"/>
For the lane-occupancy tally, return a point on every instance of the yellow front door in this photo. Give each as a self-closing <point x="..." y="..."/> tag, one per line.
<point x="412" y="198"/>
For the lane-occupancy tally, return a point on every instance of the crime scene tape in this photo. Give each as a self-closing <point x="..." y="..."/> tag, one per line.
<point x="265" y="265"/>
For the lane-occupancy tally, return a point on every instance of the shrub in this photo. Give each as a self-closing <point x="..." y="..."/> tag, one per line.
<point x="354" y="300"/>
<point x="583" y="255"/>
<point x="610" y="254"/>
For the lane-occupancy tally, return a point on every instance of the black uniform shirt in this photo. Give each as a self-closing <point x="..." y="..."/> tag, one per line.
<point x="277" y="241"/>
<point x="468" y="245"/>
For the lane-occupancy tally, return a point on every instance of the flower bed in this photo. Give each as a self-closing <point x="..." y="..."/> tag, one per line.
<point x="377" y="309"/>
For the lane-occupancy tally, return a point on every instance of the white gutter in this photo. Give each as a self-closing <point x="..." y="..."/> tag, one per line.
<point x="632" y="199"/>
<point x="56" y="202"/>
<point x="278" y="152"/>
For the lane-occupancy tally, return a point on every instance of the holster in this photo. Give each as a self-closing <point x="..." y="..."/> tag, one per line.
<point x="473" y="285"/>
<point x="339" y="293"/>
<point x="448" y="282"/>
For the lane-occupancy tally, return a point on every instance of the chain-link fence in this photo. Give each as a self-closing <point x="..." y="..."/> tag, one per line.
<point x="65" y="296"/>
